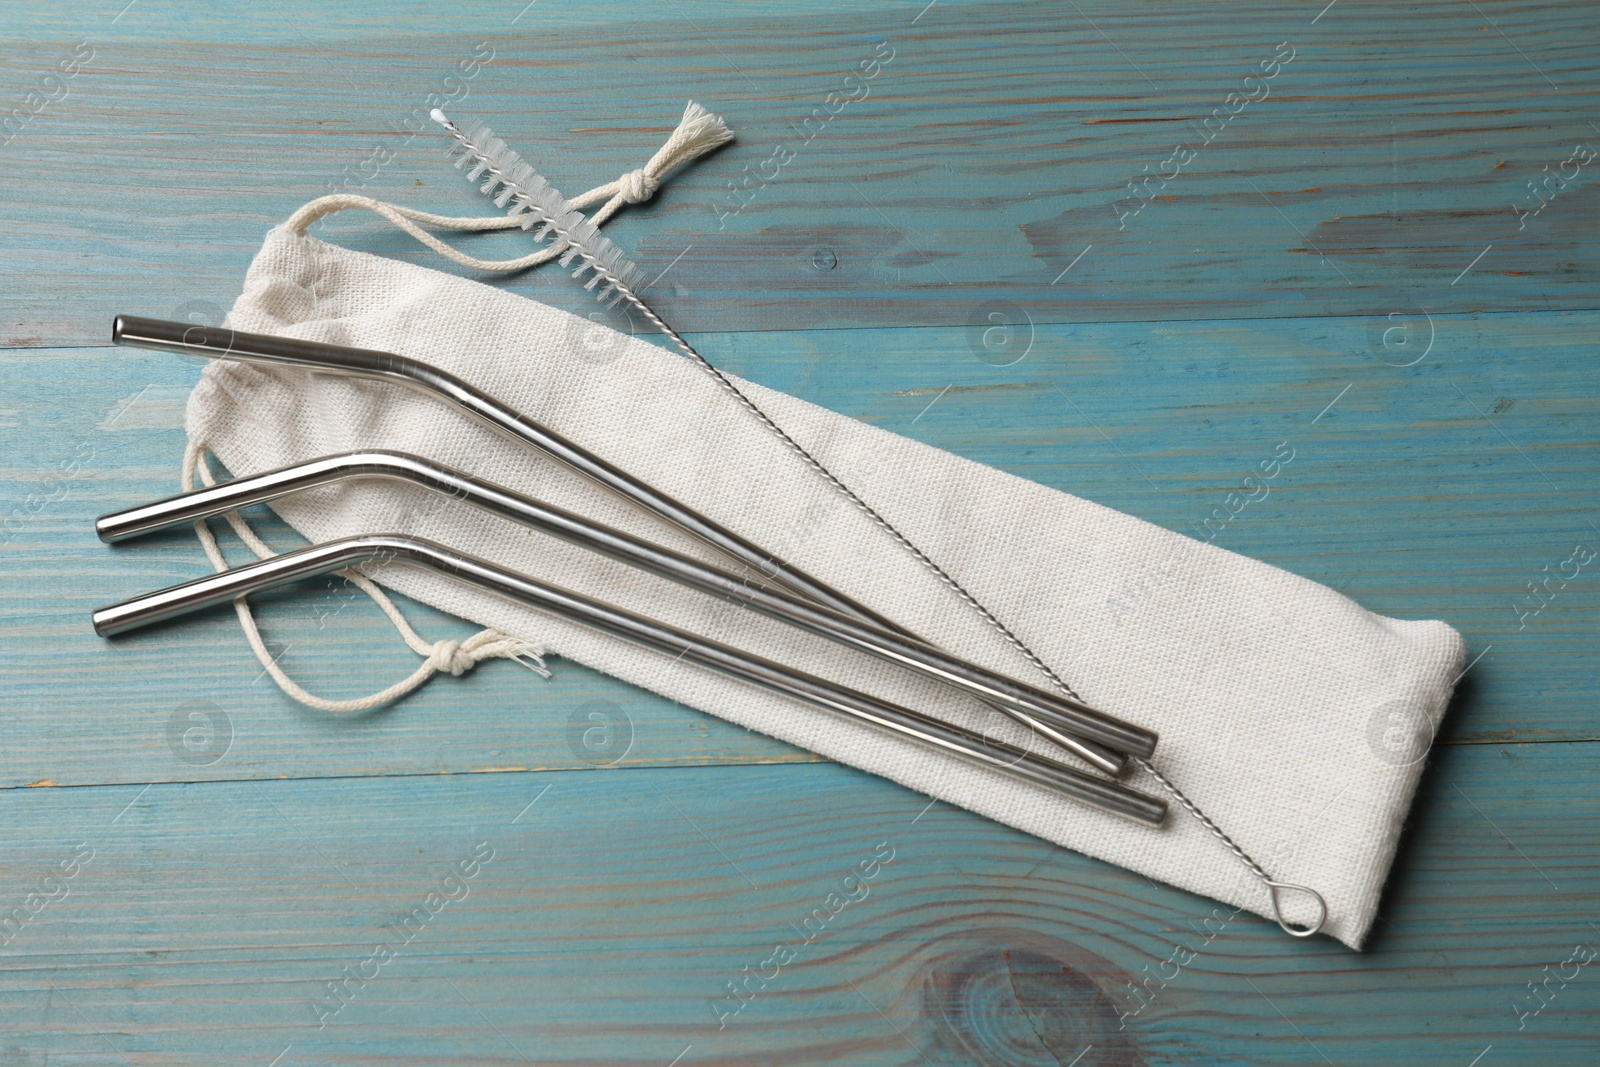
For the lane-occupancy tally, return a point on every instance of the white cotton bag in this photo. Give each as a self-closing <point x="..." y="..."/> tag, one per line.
<point x="1294" y="718"/>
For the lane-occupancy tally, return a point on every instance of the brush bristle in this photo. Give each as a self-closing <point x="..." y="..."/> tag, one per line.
<point x="510" y="183"/>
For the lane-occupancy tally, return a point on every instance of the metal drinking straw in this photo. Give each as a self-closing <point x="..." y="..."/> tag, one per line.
<point x="1019" y="763"/>
<point x="1053" y="717"/>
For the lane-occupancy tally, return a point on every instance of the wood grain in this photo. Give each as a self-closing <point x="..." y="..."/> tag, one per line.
<point x="1341" y="268"/>
<point x="985" y="157"/>
<point x="615" y="910"/>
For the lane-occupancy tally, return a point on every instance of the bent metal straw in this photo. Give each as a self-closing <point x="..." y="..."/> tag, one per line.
<point x="1043" y="713"/>
<point x="310" y="562"/>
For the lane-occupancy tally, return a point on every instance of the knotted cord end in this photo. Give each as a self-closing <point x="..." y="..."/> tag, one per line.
<point x="459" y="657"/>
<point x="698" y="132"/>
<point x="637" y="186"/>
<point x="450" y="656"/>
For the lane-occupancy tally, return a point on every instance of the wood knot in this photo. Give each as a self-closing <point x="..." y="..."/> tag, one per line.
<point x="1018" y="998"/>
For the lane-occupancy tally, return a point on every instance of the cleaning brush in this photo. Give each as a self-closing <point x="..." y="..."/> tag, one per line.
<point x="516" y="186"/>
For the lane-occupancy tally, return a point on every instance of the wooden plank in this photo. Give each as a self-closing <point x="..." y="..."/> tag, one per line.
<point x="204" y="923"/>
<point x="1402" y="493"/>
<point x="996" y="145"/>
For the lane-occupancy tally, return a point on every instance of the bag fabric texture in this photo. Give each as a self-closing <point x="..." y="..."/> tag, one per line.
<point x="1296" y="719"/>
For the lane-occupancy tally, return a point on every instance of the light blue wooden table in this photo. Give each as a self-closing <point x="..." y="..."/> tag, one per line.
<point x="1351" y="260"/>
